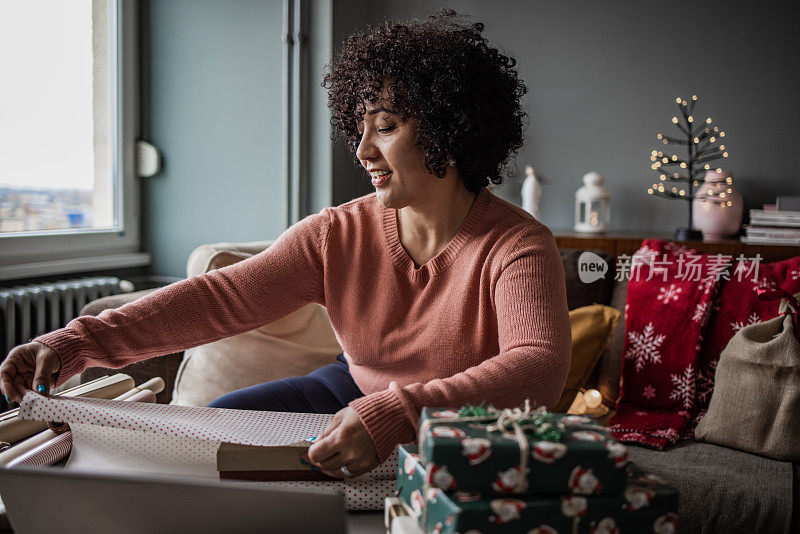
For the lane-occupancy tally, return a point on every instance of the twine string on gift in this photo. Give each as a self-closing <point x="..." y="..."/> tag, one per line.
<point x="792" y="310"/>
<point x="514" y="418"/>
<point x="511" y="423"/>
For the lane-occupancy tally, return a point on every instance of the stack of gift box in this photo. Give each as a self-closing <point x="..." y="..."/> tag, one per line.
<point x="484" y="470"/>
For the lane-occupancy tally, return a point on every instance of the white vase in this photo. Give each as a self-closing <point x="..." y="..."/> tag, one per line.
<point x="717" y="221"/>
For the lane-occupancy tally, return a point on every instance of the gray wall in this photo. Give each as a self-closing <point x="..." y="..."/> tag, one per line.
<point x="216" y="115"/>
<point x="603" y="78"/>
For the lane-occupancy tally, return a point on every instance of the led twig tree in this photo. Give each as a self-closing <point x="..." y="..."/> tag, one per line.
<point x="682" y="178"/>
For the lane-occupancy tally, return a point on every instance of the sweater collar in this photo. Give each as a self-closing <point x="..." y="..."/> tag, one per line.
<point x="441" y="261"/>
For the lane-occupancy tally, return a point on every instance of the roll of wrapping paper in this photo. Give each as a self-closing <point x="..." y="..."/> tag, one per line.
<point x="58" y="446"/>
<point x="154" y="385"/>
<point x="14" y="429"/>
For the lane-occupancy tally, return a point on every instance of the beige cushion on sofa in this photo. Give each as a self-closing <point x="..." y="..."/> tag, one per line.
<point x="292" y="346"/>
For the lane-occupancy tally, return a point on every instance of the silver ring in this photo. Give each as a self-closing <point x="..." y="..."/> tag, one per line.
<point x="346" y="472"/>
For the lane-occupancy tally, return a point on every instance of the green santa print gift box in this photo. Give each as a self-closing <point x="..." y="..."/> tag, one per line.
<point x="645" y="505"/>
<point x="520" y="452"/>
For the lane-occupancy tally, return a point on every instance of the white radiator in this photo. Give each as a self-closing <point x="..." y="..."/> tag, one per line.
<point x="29" y="311"/>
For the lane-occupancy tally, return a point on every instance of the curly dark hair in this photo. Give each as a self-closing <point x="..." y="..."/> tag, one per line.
<point x="441" y="71"/>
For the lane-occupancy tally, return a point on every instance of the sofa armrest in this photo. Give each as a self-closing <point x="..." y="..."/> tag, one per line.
<point x="164" y="366"/>
<point x="113" y="301"/>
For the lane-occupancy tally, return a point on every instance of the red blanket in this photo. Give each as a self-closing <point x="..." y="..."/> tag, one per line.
<point x="682" y="309"/>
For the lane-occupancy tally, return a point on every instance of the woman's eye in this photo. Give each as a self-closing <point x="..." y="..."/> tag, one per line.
<point x="387" y="129"/>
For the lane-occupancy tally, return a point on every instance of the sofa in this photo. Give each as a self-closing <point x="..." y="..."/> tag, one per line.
<point x="721" y="489"/>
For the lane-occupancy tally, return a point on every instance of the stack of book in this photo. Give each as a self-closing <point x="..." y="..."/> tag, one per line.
<point x="775" y="225"/>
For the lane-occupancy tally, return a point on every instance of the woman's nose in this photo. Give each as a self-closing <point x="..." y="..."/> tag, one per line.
<point x="366" y="148"/>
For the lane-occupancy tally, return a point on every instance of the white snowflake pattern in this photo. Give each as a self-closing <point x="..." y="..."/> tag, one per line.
<point x="666" y="294"/>
<point x="764" y="284"/>
<point x="684" y="387"/>
<point x="644" y="347"/>
<point x="667" y="433"/>
<point x="649" y="391"/>
<point x="700" y="312"/>
<point x="706" y="285"/>
<point x="705" y="381"/>
<point x="678" y="250"/>
<point x="644" y="255"/>
<point x="753" y="318"/>
<point x="795" y="274"/>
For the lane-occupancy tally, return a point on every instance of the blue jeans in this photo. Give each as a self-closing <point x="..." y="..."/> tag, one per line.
<point x="326" y="390"/>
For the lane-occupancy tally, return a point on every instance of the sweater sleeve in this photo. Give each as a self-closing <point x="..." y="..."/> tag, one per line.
<point x="535" y="349"/>
<point x="201" y="309"/>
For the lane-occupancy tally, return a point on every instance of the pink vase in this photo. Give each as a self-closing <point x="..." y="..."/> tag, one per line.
<point x="717" y="221"/>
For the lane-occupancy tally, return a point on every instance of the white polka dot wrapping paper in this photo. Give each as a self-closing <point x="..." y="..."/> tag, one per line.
<point x="124" y="436"/>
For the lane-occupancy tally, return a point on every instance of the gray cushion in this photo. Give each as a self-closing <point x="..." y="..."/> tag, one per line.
<point x="721" y="489"/>
<point x="578" y="293"/>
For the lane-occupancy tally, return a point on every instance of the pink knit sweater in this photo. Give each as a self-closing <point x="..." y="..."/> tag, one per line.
<point x="485" y="320"/>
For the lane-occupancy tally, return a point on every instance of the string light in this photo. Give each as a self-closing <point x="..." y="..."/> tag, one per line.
<point x="696" y="161"/>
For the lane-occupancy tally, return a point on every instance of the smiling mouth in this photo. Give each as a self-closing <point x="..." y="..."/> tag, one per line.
<point x="379" y="180"/>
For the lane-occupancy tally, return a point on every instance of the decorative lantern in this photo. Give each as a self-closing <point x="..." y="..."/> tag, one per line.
<point x="592" y="205"/>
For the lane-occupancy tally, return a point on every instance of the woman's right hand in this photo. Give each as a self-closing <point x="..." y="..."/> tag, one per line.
<point x="30" y="366"/>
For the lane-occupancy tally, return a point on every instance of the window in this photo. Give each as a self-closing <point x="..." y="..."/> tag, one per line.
<point x="68" y="194"/>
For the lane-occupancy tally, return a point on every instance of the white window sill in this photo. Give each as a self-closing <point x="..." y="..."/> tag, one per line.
<point x="73" y="265"/>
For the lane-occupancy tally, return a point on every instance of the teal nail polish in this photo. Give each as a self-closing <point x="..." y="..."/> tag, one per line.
<point x="302" y="461"/>
<point x="314" y="468"/>
<point x="41" y="388"/>
<point x="311" y="438"/>
<point x="6" y="396"/>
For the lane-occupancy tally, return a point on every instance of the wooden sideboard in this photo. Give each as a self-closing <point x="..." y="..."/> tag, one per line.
<point x="617" y="243"/>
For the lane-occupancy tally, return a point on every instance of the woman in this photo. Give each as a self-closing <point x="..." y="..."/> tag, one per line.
<point x="441" y="293"/>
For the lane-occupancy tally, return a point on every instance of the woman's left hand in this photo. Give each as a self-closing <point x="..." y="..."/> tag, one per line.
<point x="344" y="443"/>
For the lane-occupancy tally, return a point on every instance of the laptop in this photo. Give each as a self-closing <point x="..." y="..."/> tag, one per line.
<point x="56" y="500"/>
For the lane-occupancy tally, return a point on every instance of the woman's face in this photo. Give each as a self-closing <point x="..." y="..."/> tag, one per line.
<point x="388" y="152"/>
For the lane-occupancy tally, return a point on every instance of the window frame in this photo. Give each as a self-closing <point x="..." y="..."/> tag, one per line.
<point x="61" y="252"/>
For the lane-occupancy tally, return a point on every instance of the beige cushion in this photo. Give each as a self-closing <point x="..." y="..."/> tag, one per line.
<point x="292" y="346"/>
